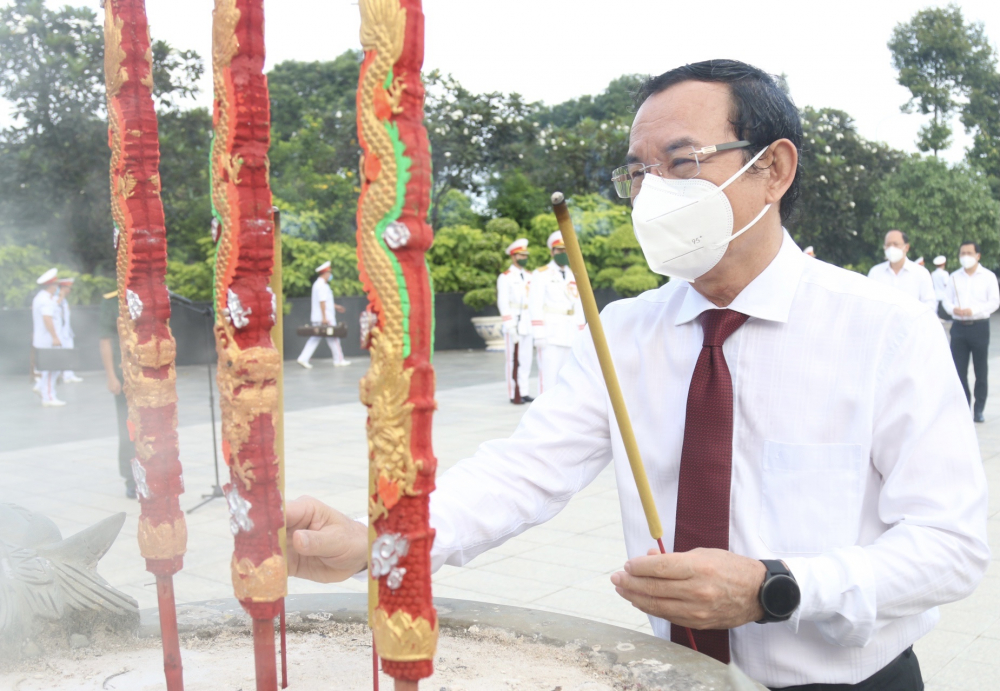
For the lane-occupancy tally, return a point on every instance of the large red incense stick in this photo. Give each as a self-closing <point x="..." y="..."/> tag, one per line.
<point x="245" y="310"/>
<point x="148" y="349"/>
<point x="393" y="237"/>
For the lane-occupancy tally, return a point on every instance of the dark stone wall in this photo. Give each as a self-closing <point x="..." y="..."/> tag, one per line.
<point x="192" y="331"/>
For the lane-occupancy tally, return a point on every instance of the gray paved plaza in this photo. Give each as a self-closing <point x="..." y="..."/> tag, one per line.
<point x="62" y="462"/>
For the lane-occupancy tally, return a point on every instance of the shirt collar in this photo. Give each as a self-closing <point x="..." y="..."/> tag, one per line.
<point x="769" y="296"/>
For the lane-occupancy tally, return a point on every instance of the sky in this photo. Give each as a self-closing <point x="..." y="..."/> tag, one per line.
<point x="834" y="54"/>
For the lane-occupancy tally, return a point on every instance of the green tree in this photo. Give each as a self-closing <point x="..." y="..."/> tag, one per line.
<point x="939" y="206"/>
<point x="54" y="158"/>
<point x="475" y="138"/>
<point x="981" y="117"/>
<point x="185" y="141"/>
<point x="314" y="146"/>
<point x="839" y="182"/>
<point x="939" y="56"/>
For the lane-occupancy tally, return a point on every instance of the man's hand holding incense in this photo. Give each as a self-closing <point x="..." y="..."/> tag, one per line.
<point x="700" y="589"/>
<point x="324" y="545"/>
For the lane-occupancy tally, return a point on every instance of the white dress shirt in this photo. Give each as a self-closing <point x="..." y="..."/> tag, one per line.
<point x="912" y="279"/>
<point x="978" y="291"/>
<point x="322" y="292"/>
<point x="43" y="305"/>
<point x="854" y="459"/>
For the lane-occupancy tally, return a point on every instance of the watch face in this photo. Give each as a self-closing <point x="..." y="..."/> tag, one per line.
<point x="781" y="596"/>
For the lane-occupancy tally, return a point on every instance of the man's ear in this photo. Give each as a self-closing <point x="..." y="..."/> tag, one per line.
<point x="782" y="162"/>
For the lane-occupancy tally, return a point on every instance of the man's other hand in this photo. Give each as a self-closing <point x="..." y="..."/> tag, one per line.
<point x="114" y="386"/>
<point x="963" y="311"/>
<point x="700" y="589"/>
<point x="324" y="545"/>
<point x="340" y="308"/>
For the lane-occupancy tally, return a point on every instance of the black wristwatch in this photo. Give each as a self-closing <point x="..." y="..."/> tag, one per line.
<point x="779" y="593"/>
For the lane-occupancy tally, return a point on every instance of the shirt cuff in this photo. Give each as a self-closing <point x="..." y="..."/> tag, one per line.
<point x="362" y="575"/>
<point x="838" y="595"/>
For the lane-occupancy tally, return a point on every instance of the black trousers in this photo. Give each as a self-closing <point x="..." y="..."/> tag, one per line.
<point x="902" y="674"/>
<point x="126" y="449"/>
<point x="972" y="339"/>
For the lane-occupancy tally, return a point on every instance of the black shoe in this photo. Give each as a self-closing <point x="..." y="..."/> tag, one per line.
<point x="526" y="399"/>
<point x="978" y="417"/>
<point x="130" y="491"/>
<point x="514" y="401"/>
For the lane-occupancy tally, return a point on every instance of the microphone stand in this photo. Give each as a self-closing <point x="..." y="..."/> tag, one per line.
<point x="216" y="492"/>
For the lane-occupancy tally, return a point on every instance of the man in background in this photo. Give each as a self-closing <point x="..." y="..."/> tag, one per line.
<point x="942" y="284"/>
<point x="45" y="333"/>
<point x="556" y="312"/>
<point x="972" y="298"/>
<point x="900" y="273"/>
<point x="512" y="302"/>
<point x="323" y="314"/>
<point x="65" y="327"/>
<point x="111" y="358"/>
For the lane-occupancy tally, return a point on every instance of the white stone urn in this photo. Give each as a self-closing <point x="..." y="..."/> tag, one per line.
<point x="490" y="329"/>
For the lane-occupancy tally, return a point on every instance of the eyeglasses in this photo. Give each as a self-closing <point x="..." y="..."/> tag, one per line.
<point x="684" y="164"/>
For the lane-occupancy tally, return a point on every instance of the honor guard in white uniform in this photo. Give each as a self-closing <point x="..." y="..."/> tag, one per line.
<point x="512" y="301"/>
<point x="65" y="327"/>
<point x="45" y="333"/>
<point x="556" y="312"/>
<point x="324" y="311"/>
<point x="942" y="284"/>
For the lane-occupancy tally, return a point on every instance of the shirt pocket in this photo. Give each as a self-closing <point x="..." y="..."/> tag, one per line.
<point x="811" y="496"/>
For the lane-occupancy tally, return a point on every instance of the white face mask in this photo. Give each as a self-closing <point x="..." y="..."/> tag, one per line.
<point x="684" y="226"/>
<point x="894" y="254"/>
<point x="967" y="261"/>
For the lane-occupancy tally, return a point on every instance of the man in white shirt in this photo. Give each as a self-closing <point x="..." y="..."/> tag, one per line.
<point x="942" y="284"/>
<point x="900" y="273"/>
<point x="512" y="302"/>
<point x="323" y="312"/>
<point x="556" y="312"/>
<point x="800" y="421"/>
<point x="971" y="299"/>
<point x="45" y="333"/>
<point x="65" y="327"/>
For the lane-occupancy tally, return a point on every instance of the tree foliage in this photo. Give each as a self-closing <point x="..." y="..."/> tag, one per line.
<point x="840" y="175"/>
<point x="939" y="58"/>
<point x="940" y="206"/>
<point x="54" y="159"/>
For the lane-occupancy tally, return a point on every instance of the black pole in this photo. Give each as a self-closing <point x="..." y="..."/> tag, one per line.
<point x="216" y="492"/>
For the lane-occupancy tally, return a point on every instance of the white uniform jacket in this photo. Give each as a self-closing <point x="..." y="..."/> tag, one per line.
<point x="556" y="310"/>
<point x="322" y="292"/>
<point x="854" y="459"/>
<point x="43" y="305"/>
<point x="63" y="325"/>
<point x="512" y="299"/>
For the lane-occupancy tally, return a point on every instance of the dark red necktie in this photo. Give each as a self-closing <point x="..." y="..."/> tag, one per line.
<point x="707" y="461"/>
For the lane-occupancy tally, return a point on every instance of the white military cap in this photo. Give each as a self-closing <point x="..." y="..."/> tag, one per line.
<point x="810" y="251"/>
<point x="325" y="266"/>
<point x="920" y="261"/>
<point x="68" y="281"/>
<point x="555" y="240"/>
<point x="47" y="277"/>
<point x="519" y="245"/>
<point x="940" y="260"/>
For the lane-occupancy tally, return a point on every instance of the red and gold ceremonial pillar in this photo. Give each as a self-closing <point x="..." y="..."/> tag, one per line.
<point x="393" y="237"/>
<point x="246" y="307"/>
<point x="148" y="348"/>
